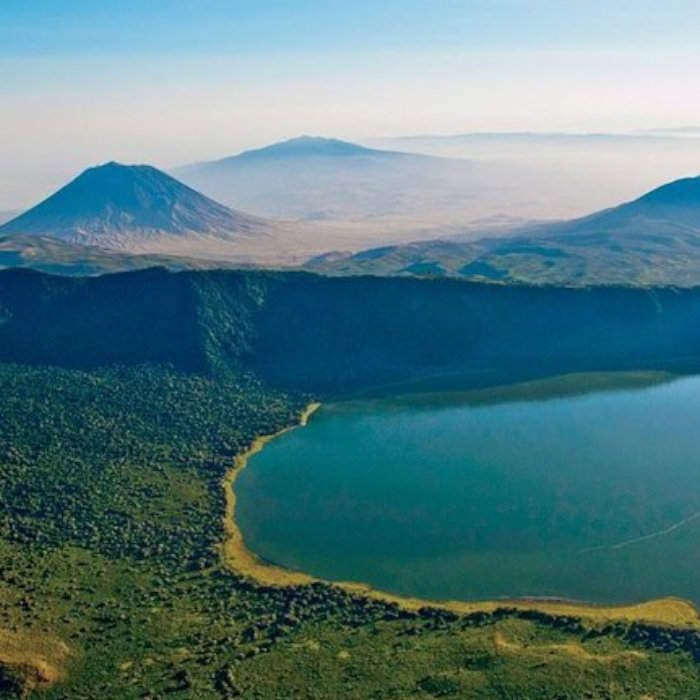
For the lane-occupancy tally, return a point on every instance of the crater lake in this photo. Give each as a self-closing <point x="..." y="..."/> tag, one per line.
<point x="584" y="487"/>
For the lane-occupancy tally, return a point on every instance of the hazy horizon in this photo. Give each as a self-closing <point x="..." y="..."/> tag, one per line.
<point x="177" y="82"/>
<point x="524" y="175"/>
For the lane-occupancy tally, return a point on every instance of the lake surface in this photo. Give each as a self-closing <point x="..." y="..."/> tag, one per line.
<point x="593" y="497"/>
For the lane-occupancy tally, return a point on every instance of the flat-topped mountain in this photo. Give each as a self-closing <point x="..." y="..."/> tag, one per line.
<point x="303" y="147"/>
<point x="312" y="178"/>
<point x="311" y="147"/>
<point x="654" y="239"/>
<point x="129" y="206"/>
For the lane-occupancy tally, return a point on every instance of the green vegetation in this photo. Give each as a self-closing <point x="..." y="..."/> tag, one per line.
<point x="662" y="255"/>
<point x="329" y="336"/>
<point x="133" y="395"/>
<point x="111" y="516"/>
<point x="125" y="462"/>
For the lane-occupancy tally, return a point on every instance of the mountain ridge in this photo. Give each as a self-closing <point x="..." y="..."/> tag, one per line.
<point x="311" y="147"/>
<point x="329" y="335"/>
<point x="654" y="239"/>
<point x="305" y="146"/>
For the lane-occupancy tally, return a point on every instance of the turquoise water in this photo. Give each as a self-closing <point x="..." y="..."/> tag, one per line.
<point x="593" y="497"/>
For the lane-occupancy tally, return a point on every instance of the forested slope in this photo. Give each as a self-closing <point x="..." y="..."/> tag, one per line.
<point x="330" y="335"/>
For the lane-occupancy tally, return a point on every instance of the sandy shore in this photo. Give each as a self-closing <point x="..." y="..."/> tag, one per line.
<point x="667" y="611"/>
<point x="234" y="551"/>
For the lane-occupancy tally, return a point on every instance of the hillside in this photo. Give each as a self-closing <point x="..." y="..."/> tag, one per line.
<point x="130" y="208"/>
<point x="333" y="335"/>
<point x="653" y="240"/>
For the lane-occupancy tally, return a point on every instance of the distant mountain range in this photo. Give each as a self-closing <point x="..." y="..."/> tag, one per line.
<point x="131" y="208"/>
<point x="118" y="217"/>
<point x="139" y="209"/>
<point x="386" y="184"/>
<point x="308" y="147"/>
<point x="650" y="241"/>
<point x="321" y="179"/>
<point x="438" y="143"/>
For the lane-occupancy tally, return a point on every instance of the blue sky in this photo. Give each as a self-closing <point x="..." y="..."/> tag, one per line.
<point x="250" y="26"/>
<point x="169" y="81"/>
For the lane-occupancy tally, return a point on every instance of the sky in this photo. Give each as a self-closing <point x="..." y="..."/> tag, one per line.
<point x="174" y="81"/>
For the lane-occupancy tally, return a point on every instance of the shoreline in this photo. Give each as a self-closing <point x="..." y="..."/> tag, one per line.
<point x="676" y="612"/>
<point x="234" y="552"/>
